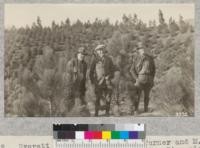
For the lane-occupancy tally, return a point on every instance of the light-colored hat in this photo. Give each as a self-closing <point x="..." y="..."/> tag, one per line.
<point x="100" y="47"/>
<point x="122" y="52"/>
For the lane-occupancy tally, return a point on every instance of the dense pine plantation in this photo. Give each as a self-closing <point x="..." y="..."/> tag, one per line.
<point x="37" y="84"/>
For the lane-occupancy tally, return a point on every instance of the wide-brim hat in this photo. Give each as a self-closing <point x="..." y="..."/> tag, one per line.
<point x="122" y="52"/>
<point x="82" y="50"/>
<point x="100" y="47"/>
<point x="140" y="45"/>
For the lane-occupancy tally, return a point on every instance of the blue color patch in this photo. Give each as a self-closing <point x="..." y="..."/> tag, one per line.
<point x="124" y="135"/>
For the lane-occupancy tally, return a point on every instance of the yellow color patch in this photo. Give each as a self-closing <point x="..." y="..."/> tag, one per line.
<point x="106" y="135"/>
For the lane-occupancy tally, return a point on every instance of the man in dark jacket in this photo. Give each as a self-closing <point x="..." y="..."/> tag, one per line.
<point x="101" y="73"/>
<point x="77" y="69"/>
<point x="143" y="71"/>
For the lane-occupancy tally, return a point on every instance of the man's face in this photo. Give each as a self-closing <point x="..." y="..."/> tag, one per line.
<point x="100" y="53"/>
<point x="80" y="56"/>
<point x="141" y="51"/>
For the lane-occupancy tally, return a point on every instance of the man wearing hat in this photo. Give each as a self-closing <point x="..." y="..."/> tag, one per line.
<point x="143" y="72"/>
<point x="77" y="69"/>
<point x="101" y="73"/>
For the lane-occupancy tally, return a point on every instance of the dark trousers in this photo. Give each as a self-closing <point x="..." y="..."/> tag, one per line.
<point x="102" y="92"/>
<point x="76" y="93"/>
<point x="146" y="88"/>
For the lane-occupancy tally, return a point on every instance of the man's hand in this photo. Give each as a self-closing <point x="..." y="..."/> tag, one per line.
<point x="92" y="82"/>
<point x="136" y="84"/>
<point x="107" y="77"/>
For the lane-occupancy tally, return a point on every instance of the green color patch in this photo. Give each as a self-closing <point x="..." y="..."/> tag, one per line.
<point x="115" y="135"/>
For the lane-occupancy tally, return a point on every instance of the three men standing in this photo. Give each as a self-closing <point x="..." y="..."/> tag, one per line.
<point x="102" y="71"/>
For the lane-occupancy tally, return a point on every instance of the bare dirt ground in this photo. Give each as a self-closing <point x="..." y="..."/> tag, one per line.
<point x="124" y="108"/>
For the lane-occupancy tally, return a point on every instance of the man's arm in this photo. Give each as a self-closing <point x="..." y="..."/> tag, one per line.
<point x="92" y="69"/>
<point x="153" y="68"/>
<point x="70" y="69"/>
<point x="85" y="70"/>
<point x="70" y="66"/>
<point x="111" y="68"/>
<point x="133" y="71"/>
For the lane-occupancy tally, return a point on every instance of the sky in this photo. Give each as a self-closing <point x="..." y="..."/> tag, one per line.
<point x="25" y="14"/>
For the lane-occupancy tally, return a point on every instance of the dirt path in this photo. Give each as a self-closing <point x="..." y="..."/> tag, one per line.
<point x="125" y="109"/>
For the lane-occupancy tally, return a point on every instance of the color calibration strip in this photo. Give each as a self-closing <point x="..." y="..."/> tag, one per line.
<point x="99" y="131"/>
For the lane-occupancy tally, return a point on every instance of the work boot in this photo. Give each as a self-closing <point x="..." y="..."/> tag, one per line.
<point x="96" y="114"/>
<point x="146" y="109"/>
<point x="136" y="113"/>
<point x="108" y="110"/>
<point x="96" y="111"/>
<point x="97" y="107"/>
<point x="83" y="102"/>
<point x="136" y="105"/>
